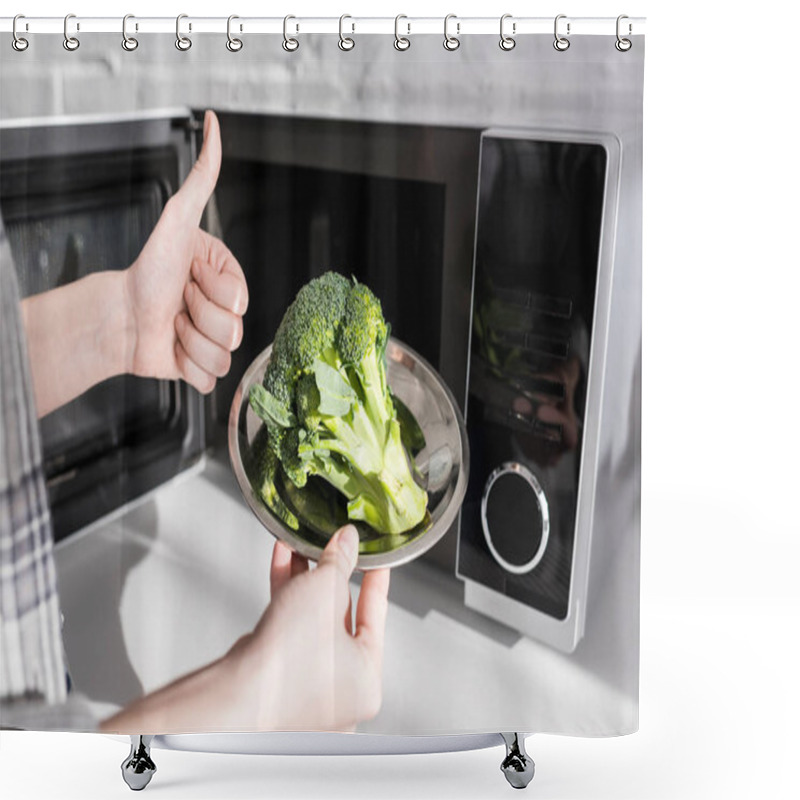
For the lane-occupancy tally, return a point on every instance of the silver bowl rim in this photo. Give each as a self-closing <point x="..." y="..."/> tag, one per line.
<point x="367" y="561"/>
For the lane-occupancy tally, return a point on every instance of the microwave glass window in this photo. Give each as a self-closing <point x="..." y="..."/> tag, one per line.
<point x="55" y="241"/>
<point x="66" y="218"/>
<point x="287" y="224"/>
<point x="537" y="249"/>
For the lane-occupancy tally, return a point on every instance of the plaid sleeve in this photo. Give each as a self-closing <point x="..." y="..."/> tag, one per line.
<point x="32" y="663"/>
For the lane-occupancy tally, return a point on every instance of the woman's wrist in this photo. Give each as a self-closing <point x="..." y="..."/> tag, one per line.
<point x="110" y="334"/>
<point x="256" y="697"/>
<point x="78" y="335"/>
<point x="117" y="335"/>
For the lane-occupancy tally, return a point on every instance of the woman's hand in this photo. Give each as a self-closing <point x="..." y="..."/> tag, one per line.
<point x="308" y="664"/>
<point x="176" y="312"/>
<point x="304" y="666"/>
<point x="186" y="293"/>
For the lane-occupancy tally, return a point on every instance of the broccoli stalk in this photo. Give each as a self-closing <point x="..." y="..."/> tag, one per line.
<point x="328" y="408"/>
<point x="355" y="445"/>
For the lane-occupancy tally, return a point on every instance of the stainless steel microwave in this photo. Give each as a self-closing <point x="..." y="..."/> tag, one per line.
<point x="491" y="251"/>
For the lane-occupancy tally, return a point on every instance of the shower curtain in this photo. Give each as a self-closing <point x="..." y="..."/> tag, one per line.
<point x="486" y="188"/>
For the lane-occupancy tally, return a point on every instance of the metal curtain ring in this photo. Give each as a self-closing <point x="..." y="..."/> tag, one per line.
<point x="129" y="43"/>
<point x="561" y="43"/>
<point x="623" y="45"/>
<point x="345" y="42"/>
<point x="233" y="44"/>
<point x="18" y="43"/>
<point x="183" y="43"/>
<point x="401" y="42"/>
<point x="290" y="44"/>
<point x="70" y="42"/>
<point x="507" y="42"/>
<point x="451" y="42"/>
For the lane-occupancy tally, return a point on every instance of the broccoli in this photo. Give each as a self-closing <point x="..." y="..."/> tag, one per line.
<point x="328" y="409"/>
<point x="265" y="466"/>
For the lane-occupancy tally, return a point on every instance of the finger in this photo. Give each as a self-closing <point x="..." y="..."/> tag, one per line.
<point x="199" y="184"/>
<point x="348" y="615"/>
<point x="551" y="414"/>
<point x="191" y="373"/>
<point x="208" y="355"/>
<point x="522" y="406"/>
<point x="217" y="324"/>
<point x="566" y="419"/>
<point x="299" y="564"/>
<point x="373" y="603"/>
<point x="340" y="556"/>
<point x="226" y="289"/>
<point x="220" y="275"/>
<point x="279" y="571"/>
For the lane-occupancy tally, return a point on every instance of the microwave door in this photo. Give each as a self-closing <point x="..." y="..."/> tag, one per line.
<point x="78" y="195"/>
<point x="541" y="298"/>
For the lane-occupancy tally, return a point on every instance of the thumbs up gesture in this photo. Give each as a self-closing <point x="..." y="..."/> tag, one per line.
<point x="186" y="293"/>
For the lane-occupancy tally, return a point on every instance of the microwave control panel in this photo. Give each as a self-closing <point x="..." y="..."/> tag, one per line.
<point x="538" y="230"/>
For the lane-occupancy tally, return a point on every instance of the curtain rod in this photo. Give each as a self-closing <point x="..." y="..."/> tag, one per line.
<point x="347" y="26"/>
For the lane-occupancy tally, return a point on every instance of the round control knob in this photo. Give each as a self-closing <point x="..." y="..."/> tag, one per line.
<point x="515" y="518"/>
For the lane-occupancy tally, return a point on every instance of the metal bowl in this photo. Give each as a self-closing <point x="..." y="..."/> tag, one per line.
<point x="442" y="465"/>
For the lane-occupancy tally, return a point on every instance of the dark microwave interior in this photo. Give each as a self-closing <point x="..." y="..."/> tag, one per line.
<point x="297" y="197"/>
<point x="66" y="216"/>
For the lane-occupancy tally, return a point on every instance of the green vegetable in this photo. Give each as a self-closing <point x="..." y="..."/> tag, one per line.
<point x="412" y="435"/>
<point x="328" y="409"/>
<point x="264" y="467"/>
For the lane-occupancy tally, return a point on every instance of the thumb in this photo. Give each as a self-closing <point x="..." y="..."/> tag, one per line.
<point x="202" y="179"/>
<point x="340" y="555"/>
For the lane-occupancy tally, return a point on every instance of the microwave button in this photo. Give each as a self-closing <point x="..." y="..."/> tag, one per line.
<point x="515" y="518"/>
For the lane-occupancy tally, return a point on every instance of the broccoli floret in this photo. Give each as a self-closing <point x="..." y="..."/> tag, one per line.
<point x="328" y="408"/>
<point x="265" y="468"/>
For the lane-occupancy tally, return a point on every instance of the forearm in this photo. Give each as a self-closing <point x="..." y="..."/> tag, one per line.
<point x="78" y="335"/>
<point x="208" y="699"/>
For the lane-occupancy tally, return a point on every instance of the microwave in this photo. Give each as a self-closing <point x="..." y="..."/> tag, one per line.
<point x="491" y="251"/>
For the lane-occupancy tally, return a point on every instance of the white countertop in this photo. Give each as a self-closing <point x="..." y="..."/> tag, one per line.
<point x="172" y="583"/>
